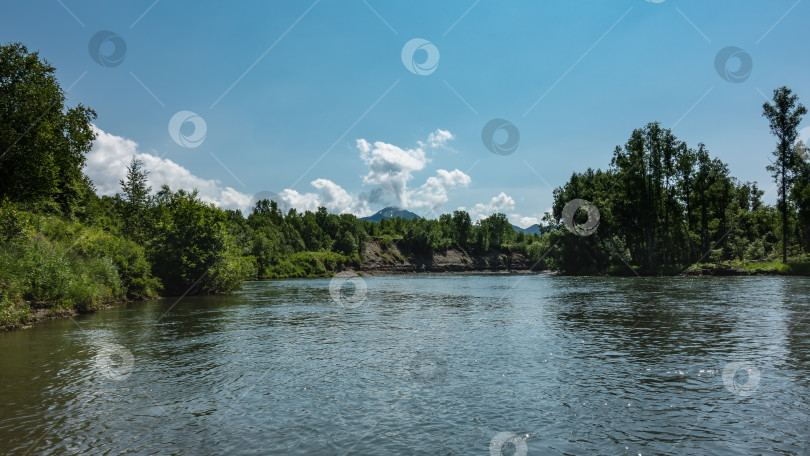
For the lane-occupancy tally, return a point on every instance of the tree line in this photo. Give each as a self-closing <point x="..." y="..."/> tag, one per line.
<point x="665" y="205"/>
<point x="662" y="205"/>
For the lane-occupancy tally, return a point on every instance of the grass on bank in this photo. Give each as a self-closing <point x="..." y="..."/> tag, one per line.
<point x="775" y="267"/>
<point x="311" y="265"/>
<point x="795" y="267"/>
<point x="51" y="266"/>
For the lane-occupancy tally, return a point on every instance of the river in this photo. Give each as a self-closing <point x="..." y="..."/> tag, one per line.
<point x="423" y="364"/>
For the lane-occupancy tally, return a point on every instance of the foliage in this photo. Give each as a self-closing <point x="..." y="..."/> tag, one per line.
<point x="65" y="266"/>
<point x="311" y="264"/>
<point x="192" y="249"/>
<point x="784" y="116"/>
<point x="663" y="204"/>
<point x="43" y="143"/>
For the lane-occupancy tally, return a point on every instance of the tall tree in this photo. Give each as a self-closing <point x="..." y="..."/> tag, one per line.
<point x="42" y="142"/>
<point x="784" y="115"/>
<point x="136" y="199"/>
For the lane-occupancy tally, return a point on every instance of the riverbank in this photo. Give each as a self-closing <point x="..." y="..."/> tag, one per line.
<point x="749" y="269"/>
<point x="51" y="268"/>
<point x="388" y="260"/>
<point x="379" y="259"/>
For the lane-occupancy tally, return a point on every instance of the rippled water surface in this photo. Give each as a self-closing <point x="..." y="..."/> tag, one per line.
<point x="453" y="365"/>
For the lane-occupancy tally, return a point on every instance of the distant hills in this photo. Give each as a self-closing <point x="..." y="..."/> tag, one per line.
<point x="534" y="229"/>
<point x="389" y="213"/>
<point x="394" y="212"/>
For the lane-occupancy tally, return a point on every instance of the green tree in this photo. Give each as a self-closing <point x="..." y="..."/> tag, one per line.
<point x="462" y="229"/>
<point x="784" y="116"/>
<point x="800" y="194"/>
<point x="135" y="199"/>
<point x="345" y="243"/>
<point x="193" y="250"/>
<point x="42" y="142"/>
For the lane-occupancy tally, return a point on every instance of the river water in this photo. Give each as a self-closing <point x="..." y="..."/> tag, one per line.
<point x="423" y="364"/>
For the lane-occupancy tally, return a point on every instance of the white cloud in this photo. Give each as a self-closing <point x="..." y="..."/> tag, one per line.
<point x="525" y="222"/>
<point x="502" y="203"/>
<point x="107" y="161"/>
<point x="330" y="195"/>
<point x="390" y="169"/>
<point x="434" y="192"/>
<point x="439" y="138"/>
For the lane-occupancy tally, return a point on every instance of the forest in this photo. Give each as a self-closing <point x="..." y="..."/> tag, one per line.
<point x="663" y="206"/>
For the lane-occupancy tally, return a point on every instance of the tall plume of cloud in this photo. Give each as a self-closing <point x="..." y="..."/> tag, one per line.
<point x="391" y="168"/>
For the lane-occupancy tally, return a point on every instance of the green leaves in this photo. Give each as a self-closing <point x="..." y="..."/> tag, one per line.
<point x="42" y="142"/>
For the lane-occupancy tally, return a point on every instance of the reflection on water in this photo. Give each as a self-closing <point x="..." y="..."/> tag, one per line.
<point x="425" y="365"/>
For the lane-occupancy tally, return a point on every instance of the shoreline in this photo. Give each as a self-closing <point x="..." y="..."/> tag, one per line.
<point x="40" y="315"/>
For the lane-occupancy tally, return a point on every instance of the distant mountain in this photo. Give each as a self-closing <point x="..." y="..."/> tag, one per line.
<point x="534" y="229"/>
<point x="389" y="213"/>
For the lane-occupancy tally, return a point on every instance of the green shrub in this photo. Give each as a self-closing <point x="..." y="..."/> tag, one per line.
<point x="65" y="266"/>
<point x="312" y="264"/>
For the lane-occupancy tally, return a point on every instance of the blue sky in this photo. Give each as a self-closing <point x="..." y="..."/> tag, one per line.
<point x="285" y="85"/>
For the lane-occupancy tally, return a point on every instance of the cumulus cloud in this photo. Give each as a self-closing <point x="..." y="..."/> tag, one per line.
<point x="330" y="195"/>
<point x="525" y="222"/>
<point x="391" y="168"/>
<point x="106" y="165"/>
<point x="434" y="192"/>
<point x="439" y="138"/>
<point x="502" y="203"/>
<point x="390" y="171"/>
